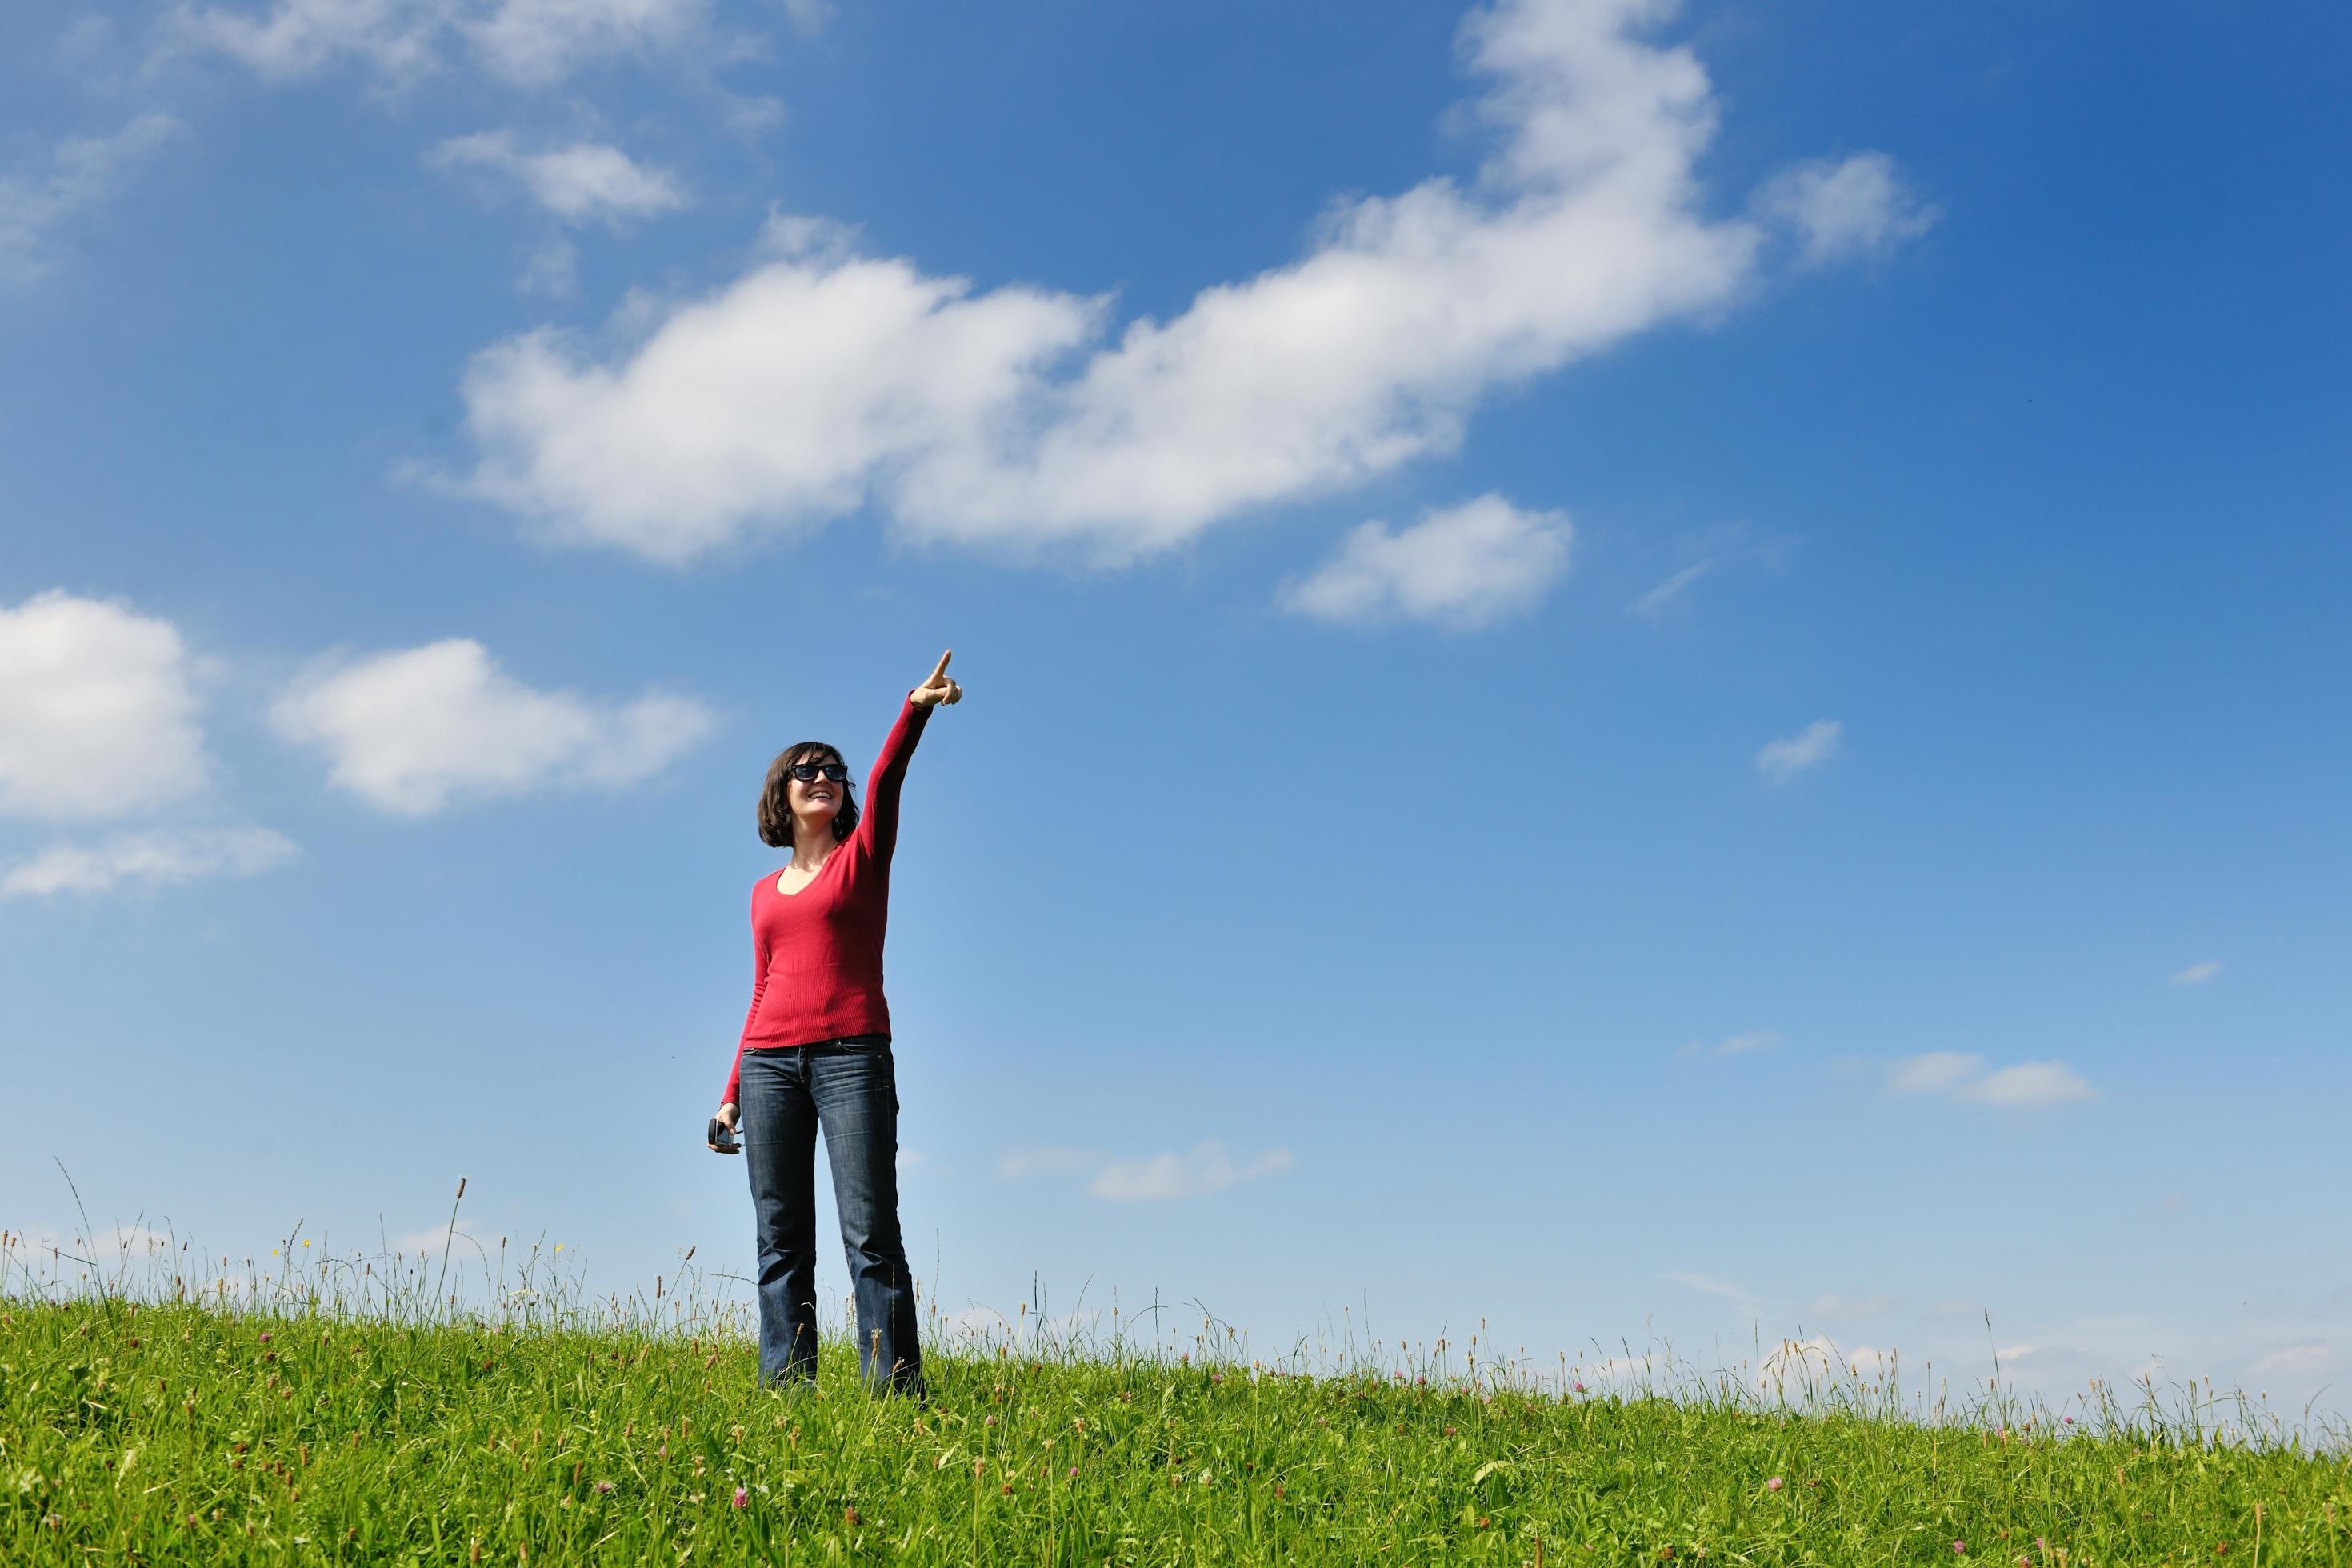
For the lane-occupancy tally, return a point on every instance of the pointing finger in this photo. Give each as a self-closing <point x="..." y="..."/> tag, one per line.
<point x="942" y="668"/>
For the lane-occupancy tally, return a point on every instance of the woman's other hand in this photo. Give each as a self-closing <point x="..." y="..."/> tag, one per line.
<point x="726" y="1118"/>
<point x="938" y="688"/>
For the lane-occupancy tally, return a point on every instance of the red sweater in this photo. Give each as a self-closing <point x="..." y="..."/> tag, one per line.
<point x="817" y="954"/>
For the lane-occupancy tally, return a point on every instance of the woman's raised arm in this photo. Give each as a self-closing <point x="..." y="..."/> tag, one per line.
<point x="881" y="819"/>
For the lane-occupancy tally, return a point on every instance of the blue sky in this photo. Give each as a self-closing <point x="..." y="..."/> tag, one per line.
<point x="1635" y="672"/>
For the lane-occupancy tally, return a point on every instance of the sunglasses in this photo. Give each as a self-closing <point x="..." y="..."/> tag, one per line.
<point x="807" y="772"/>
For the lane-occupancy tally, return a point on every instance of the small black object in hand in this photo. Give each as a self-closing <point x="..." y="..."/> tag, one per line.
<point x="722" y="1138"/>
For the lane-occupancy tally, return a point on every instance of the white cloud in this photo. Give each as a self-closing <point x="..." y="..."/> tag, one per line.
<point x="2197" y="973"/>
<point x="781" y="395"/>
<point x="118" y="1246"/>
<point x="553" y="270"/>
<point x="97" y="717"/>
<point x="80" y="173"/>
<point x="1459" y="566"/>
<point x="582" y="182"/>
<point x="541" y="41"/>
<point x="2305" y="1360"/>
<point x="823" y="380"/>
<point x="1933" y="1072"/>
<point x="1708" y="1285"/>
<point x="158" y="858"/>
<point x="1785" y="758"/>
<point x="433" y="1239"/>
<point x="1819" y="1361"/>
<point x="1840" y="212"/>
<point x="1668" y="592"/>
<point x="808" y="16"/>
<point x="2029" y="1085"/>
<point x="1960" y="1075"/>
<point x="751" y="114"/>
<point x="1030" y="1161"/>
<point x="1209" y="1168"/>
<point x="977" y="1323"/>
<point x="397" y="39"/>
<point x="413" y="730"/>
<point x="1732" y="1045"/>
<point x="532" y="42"/>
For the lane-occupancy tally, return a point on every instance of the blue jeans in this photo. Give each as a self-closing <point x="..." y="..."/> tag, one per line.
<point x="850" y="1089"/>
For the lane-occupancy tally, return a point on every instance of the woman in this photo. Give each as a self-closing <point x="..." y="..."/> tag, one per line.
<point x="816" y="1052"/>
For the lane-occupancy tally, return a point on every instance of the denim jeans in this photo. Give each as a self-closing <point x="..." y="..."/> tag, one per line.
<point x="850" y="1089"/>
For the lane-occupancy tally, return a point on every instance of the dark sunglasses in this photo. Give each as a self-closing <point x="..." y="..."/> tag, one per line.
<point x="807" y="772"/>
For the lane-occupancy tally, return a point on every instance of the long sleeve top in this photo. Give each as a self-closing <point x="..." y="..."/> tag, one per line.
<point x="817" y="970"/>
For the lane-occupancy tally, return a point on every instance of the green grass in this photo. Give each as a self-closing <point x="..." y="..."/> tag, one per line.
<point x="281" y="1426"/>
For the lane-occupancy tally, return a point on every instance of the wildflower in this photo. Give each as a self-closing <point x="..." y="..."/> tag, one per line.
<point x="1216" y="1377"/>
<point x="2068" y="1419"/>
<point x="1449" y="1431"/>
<point x="1277" y="1491"/>
<point x="1774" y="1485"/>
<point x="849" y="1516"/>
<point x="1423" y="1383"/>
<point x="265" y="1336"/>
<point x="742" y="1498"/>
<point x="604" y="1487"/>
<point x="1074" y="1472"/>
<point x="1483" y="1521"/>
<point x="1008" y="1489"/>
<point x="990" y="1422"/>
<point x="1580" y="1388"/>
<point x="1960" y="1549"/>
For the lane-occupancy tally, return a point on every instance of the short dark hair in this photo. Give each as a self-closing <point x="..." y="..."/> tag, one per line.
<point x="775" y="801"/>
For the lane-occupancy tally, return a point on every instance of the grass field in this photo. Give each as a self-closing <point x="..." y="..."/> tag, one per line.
<point x="324" y="1415"/>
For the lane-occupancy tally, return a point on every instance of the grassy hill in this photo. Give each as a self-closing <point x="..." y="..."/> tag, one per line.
<point x="170" y="1433"/>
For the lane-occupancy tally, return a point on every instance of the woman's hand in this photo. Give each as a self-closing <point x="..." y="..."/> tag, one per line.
<point x="728" y="1112"/>
<point x="939" y="688"/>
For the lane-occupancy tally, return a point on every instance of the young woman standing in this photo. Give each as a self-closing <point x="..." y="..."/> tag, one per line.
<point x="816" y="1052"/>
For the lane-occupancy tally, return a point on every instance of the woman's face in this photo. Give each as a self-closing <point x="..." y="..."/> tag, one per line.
<point x="819" y="797"/>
